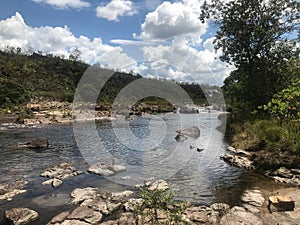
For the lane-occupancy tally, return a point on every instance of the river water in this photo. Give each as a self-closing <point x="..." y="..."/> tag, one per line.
<point x="145" y="145"/>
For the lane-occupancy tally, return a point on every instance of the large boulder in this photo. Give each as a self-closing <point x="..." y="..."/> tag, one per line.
<point x="21" y="216"/>
<point x="193" y="131"/>
<point x="279" y="203"/>
<point x="36" y="143"/>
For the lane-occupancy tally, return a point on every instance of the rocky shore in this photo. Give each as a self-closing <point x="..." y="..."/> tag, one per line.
<point x="242" y="159"/>
<point x="94" y="206"/>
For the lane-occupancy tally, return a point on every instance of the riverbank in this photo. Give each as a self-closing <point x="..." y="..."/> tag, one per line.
<point x="88" y="204"/>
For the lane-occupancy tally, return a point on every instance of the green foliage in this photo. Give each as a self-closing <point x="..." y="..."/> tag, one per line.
<point x="258" y="37"/>
<point x="269" y="131"/>
<point x="12" y="93"/>
<point x="160" y="200"/>
<point x="282" y="136"/>
<point x="285" y="105"/>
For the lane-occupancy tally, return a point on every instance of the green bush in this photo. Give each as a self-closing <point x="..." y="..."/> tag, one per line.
<point x="269" y="131"/>
<point x="12" y="93"/>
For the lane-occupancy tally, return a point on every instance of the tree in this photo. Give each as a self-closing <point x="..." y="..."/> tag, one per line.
<point x="260" y="38"/>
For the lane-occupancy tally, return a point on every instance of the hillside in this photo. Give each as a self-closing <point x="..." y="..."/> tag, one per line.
<point x="26" y="77"/>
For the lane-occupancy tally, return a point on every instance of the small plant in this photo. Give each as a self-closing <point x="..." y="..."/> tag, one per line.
<point x="157" y="202"/>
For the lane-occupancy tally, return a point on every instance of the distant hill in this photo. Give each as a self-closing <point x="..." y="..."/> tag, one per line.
<point x="35" y="76"/>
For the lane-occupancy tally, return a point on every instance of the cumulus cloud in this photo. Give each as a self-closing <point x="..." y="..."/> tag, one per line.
<point x="179" y="62"/>
<point x="170" y="20"/>
<point x="64" y="4"/>
<point x="58" y="41"/>
<point x="116" y="8"/>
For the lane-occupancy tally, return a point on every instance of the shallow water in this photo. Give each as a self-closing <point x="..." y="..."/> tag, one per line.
<point x="145" y="145"/>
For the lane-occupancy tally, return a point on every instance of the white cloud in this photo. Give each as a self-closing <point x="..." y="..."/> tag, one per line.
<point x="64" y="4"/>
<point x="170" y="20"/>
<point x="58" y="41"/>
<point x="178" y="61"/>
<point x="116" y="8"/>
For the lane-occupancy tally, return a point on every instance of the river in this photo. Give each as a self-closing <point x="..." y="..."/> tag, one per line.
<point x="145" y="145"/>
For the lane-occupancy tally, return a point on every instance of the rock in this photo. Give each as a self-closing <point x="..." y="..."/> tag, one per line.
<point x="180" y="138"/>
<point x="230" y="149"/>
<point x="242" y="152"/>
<point x="191" y="132"/>
<point x="251" y="208"/>
<point x="278" y="203"/>
<point x="119" y="196"/>
<point x="85" y="214"/>
<point x="197" y="214"/>
<point x="200" y="149"/>
<point x="59" y="218"/>
<point x="239" y="216"/>
<point x="56" y="182"/>
<point x="239" y="161"/>
<point x="58" y="173"/>
<point x="117" y="168"/>
<point x="152" y="184"/>
<point x="81" y="194"/>
<point x="21" y="216"/>
<point x="253" y="197"/>
<point x="96" y="205"/>
<point x="133" y="203"/>
<point x="47" y="182"/>
<point x="220" y="207"/>
<point x="126" y="178"/>
<point x="9" y="190"/>
<point x="104" y="169"/>
<point x="283" y="172"/>
<point x="295" y="171"/>
<point x="74" y="222"/>
<point x="36" y="143"/>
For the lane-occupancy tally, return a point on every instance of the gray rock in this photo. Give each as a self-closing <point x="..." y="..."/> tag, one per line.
<point x="9" y="190"/>
<point x="152" y="184"/>
<point x="36" y="143"/>
<point x="220" y="207"/>
<point x="180" y="138"/>
<point x="239" y="161"/>
<point x="81" y="194"/>
<point x="21" y="216"/>
<point x="59" y="218"/>
<point x="283" y="172"/>
<point x="239" y="216"/>
<point x="85" y="214"/>
<point x="193" y="131"/>
<point x="253" y="197"/>
<point x="278" y="203"/>
<point x="104" y="169"/>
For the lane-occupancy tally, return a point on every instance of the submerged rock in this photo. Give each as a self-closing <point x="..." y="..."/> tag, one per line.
<point x="36" y="143"/>
<point x="58" y="173"/>
<point x="21" y="216"/>
<point x="9" y="190"/>
<point x="104" y="169"/>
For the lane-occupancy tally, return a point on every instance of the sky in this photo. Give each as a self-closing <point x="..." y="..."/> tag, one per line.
<point x="153" y="38"/>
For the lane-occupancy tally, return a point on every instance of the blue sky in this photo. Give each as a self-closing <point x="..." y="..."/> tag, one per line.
<point x="150" y="37"/>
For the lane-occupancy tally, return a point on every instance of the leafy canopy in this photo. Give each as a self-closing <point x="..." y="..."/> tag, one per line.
<point x="260" y="38"/>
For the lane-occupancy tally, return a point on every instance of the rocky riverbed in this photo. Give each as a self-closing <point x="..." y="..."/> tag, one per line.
<point x="93" y="206"/>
